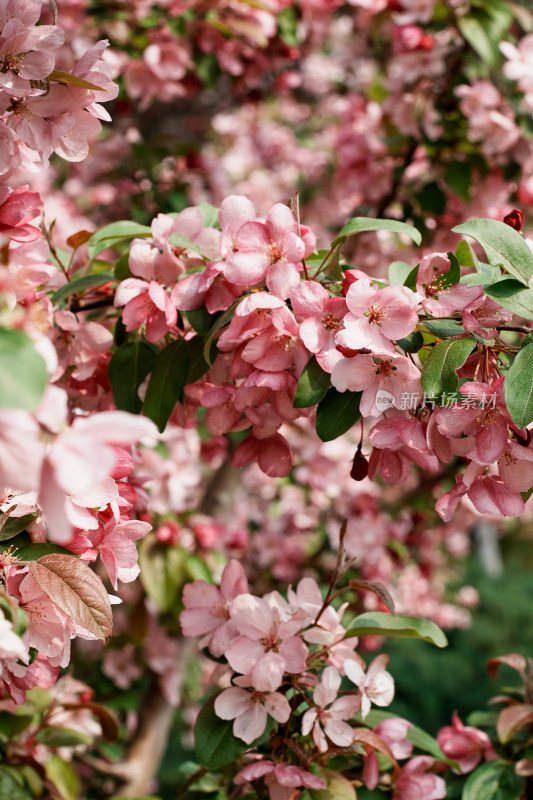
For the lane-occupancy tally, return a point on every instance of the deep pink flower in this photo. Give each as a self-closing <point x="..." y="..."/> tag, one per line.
<point x="146" y="303"/>
<point x="440" y="297"/>
<point x="463" y="744"/>
<point x="415" y="783"/>
<point x="322" y="317"/>
<point x="281" y="779"/>
<point x="17" y="208"/>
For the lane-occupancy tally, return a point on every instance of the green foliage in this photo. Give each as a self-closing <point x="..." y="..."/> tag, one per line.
<point x="503" y="245"/>
<point x="313" y="384"/>
<point x="214" y="740"/>
<point x="439" y="371"/>
<point x="23" y="375"/>
<point x="485" y="26"/>
<point x="336" y="413"/>
<point x="365" y="224"/>
<point x="79" y="285"/>
<point x="162" y="571"/>
<point x="129" y="366"/>
<point x="511" y="294"/>
<point x="15" y="525"/>
<point x="518" y="387"/>
<point x="169" y="374"/>
<point x="382" y="624"/>
<point x="116" y="232"/>
<point x="399" y="271"/>
<point x="493" y="781"/>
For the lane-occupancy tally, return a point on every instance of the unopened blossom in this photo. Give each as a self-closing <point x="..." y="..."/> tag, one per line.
<point x="330" y="722"/>
<point x="464" y="744"/>
<point x="207" y="607"/>
<point x="377" y="317"/>
<point x="376" y="685"/>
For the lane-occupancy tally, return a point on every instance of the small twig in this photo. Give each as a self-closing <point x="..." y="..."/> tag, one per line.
<point x="188" y="783"/>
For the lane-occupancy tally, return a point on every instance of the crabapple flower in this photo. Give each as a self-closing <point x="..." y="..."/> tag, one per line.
<point x="440" y="295"/>
<point x="268" y="251"/>
<point x="488" y="494"/>
<point x="17" y="208"/>
<point x="415" y="783"/>
<point x="207" y="608"/>
<point x="464" y="744"/>
<point x="376" y="685"/>
<point x="281" y="779"/>
<point x="393" y="732"/>
<point x="267" y="644"/>
<point x="330" y="722"/>
<point x="322" y="318"/>
<point x="146" y="303"/>
<point x="251" y="709"/>
<point x="376" y="317"/>
<point x="482" y="316"/>
<point x="12" y="647"/>
<point x="377" y="377"/>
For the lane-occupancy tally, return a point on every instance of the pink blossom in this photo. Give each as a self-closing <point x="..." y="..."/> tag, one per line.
<point x="17" y="208"/>
<point x="270" y="251"/>
<point x="377" y="316"/>
<point x="267" y="646"/>
<point x="390" y="375"/>
<point x="81" y="344"/>
<point x="322" y="317"/>
<point x="483" y="315"/>
<point x="463" y="744"/>
<point x="146" y="303"/>
<point x="115" y="543"/>
<point x="415" y="783"/>
<point x="515" y="466"/>
<point x="376" y="685"/>
<point x="441" y="296"/>
<point x="273" y="455"/>
<point x="207" y="607"/>
<point x="250" y="709"/>
<point x="330" y="722"/>
<point x="11" y="646"/>
<point x="281" y="779"/>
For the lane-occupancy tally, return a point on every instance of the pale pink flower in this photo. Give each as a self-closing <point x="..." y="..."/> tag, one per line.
<point x="489" y="495"/>
<point x="80" y="344"/>
<point x="515" y="466"/>
<point x="322" y="317"/>
<point x="376" y="685"/>
<point x="389" y="375"/>
<point x="11" y="645"/>
<point x="377" y="317"/>
<point x="415" y="783"/>
<point x="440" y="297"/>
<point x="120" y="666"/>
<point x="483" y="315"/>
<point x="251" y="709"/>
<point x="330" y="722"/>
<point x="207" y="607"/>
<point x="115" y="543"/>
<point x="393" y="732"/>
<point x="209" y="288"/>
<point x="463" y="744"/>
<point x="269" y="250"/>
<point x="267" y="646"/>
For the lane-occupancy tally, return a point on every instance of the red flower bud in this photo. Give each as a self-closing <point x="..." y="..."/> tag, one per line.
<point x="359" y="469"/>
<point x="514" y="219"/>
<point x="346" y="351"/>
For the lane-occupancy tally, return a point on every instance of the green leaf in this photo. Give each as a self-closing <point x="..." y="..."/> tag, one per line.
<point x="13" y="724"/>
<point x="483" y="783"/>
<point x="10" y="788"/>
<point x="109" y="235"/>
<point x="221" y="322"/>
<point x="411" y="343"/>
<point x="177" y="240"/>
<point x="214" y="740"/>
<point x="32" y="552"/>
<point x="209" y="214"/>
<point x="382" y="624"/>
<point x="399" y="271"/>
<point x="200" y="319"/>
<point x="336" y="413"/>
<point x="129" y="366"/>
<point x="458" y="176"/>
<point x="443" y="328"/>
<point x="198" y="366"/>
<point x="23" y="375"/>
<point x="518" y="388"/>
<point x="439" y="370"/>
<point x="313" y="384"/>
<point x="162" y="571"/>
<point x="81" y="285"/>
<point x="364" y="224"/>
<point x="432" y="198"/>
<point x="411" y="279"/>
<point x="166" y="383"/>
<point x="465" y="255"/>
<point x="73" y="80"/>
<point x="484" y="28"/>
<point x="503" y="245"/>
<point x="62" y="737"/>
<point x="63" y="775"/>
<point x="511" y="294"/>
<point x="14" y="525"/>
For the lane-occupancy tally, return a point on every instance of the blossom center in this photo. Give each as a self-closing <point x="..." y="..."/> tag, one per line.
<point x="385" y="369"/>
<point x="376" y="314"/>
<point x="271" y="642"/>
<point x="330" y="321"/>
<point x="275" y="251"/>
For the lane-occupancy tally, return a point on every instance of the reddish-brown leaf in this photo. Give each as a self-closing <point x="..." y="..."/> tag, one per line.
<point x="80" y="237"/>
<point x="511" y="719"/>
<point x="77" y="590"/>
<point x="514" y="660"/>
<point x="370" y="738"/>
<point x="377" y="588"/>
